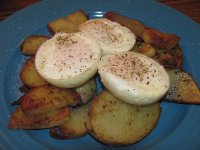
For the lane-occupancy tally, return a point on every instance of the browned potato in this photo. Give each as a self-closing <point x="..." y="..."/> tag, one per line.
<point x="75" y="127"/>
<point x="147" y="49"/>
<point x="30" y="44"/>
<point x="77" y="17"/>
<point x="134" y="25"/>
<point x="183" y="88"/>
<point x="19" y="120"/>
<point x="136" y="46"/>
<point x="62" y="25"/>
<point x="29" y="75"/>
<point x="178" y="56"/>
<point x="117" y="123"/>
<point x="87" y="91"/>
<point x="154" y="37"/>
<point x="169" y="58"/>
<point x="46" y="98"/>
<point x="160" y="39"/>
<point x="24" y="88"/>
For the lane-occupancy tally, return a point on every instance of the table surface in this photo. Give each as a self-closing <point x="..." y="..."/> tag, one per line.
<point x="190" y="8"/>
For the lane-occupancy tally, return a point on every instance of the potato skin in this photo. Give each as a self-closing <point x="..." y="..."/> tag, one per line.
<point x="117" y="123"/>
<point x="30" y="44"/>
<point x="29" y="75"/>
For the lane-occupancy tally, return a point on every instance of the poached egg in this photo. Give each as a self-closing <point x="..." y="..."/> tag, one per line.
<point x="111" y="36"/>
<point x="133" y="77"/>
<point x="68" y="60"/>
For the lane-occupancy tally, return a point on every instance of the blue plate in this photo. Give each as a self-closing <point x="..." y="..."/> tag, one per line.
<point x="179" y="124"/>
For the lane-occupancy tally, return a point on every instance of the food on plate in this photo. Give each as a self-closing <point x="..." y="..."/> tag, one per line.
<point x="183" y="88"/>
<point x="152" y="36"/>
<point x="134" y="25"/>
<point x="133" y="77"/>
<point x="170" y="58"/>
<point x="59" y="79"/>
<point x="24" y="88"/>
<point x="87" y="91"/>
<point x="19" y="120"/>
<point x="77" y="17"/>
<point x="62" y="25"/>
<point x="45" y="98"/>
<point x="68" y="24"/>
<point x="31" y="78"/>
<point x="30" y="44"/>
<point x="111" y="36"/>
<point x="68" y="60"/>
<point x="147" y="49"/>
<point x="160" y="39"/>
<point x="29" y="75"/>
<point x="117" y="123"/>
<point x="167" y="50"/>
<point x="75" y="127"/>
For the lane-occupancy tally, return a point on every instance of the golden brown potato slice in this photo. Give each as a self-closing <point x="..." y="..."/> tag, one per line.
<point x="183" y="88"/>
<point x="160" y="39"/>
<point x="46" y="98"/>
<point x="117" y="123"/>
<point x="30" y="44"/>
<point x="62" y="25"/>
<point x="29" y="75"/>
<point x="134" y="25"/>
<point x="75" y="127"/>
<point x="87" y="91"/>
<point x="19" y="120"/>
<point x="77" y="17"/>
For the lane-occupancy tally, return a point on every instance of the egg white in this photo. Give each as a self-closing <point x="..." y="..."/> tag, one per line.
<point x="133" y="78"/>
<point x="68" y="60"/>
<point x="111" y="36"/>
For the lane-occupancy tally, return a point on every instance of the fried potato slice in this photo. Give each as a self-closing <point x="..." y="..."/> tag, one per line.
<point x="19" y="120"/>
<point x="77" y="17"/>
<point x="29" y="75"/>
<point x="160" y="39"/>
<point x="24" y="88"/>
<point x="62" y="25"/>
<point x="75" y="127"/>
<point x="134" y="25"/>
<point x="67" y="24"/>
<point x="117" y="123"/>
<point x="170" y="58"/>
<point x="147" y="49"/>
<point x="183" y="88"/>
<point x="46" y="98"/>
<point x="30" y="44"/>
<point x="87" y="91"/>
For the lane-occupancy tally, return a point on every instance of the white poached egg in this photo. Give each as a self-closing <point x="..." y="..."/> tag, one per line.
<point x="68" y="60"/>
<point x="133" y="77"/>
<point x="111" y="36"/>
